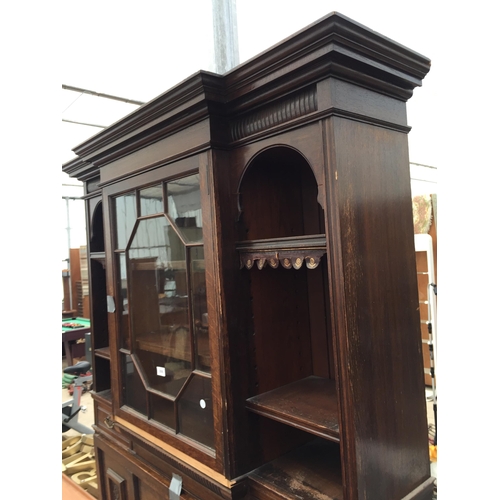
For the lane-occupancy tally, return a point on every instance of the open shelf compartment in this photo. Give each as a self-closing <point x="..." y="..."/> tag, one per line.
<point x="309" y="404"/>
<point x="310" y="472"/>
<point x="103" y="352"/>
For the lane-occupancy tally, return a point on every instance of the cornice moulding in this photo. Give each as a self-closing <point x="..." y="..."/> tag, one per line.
<point x="333" y="46"/>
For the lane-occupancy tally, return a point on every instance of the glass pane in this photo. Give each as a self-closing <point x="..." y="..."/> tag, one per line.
<point x="133" y="391"/>
<point x="159" y="305"/>
<point x="196" y="418"/>
<point x="122" y="306"/>
<point x="151" y="200"/>
<point x="162" y="410"/>
<point x="126" y="214"/>
<point x="199" y="302"/>
<point x="184" y="207"/>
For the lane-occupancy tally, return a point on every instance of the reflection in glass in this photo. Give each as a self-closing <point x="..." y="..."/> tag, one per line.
<point x="133" y="391"/>
<point x="151" y="200"/>
<point x="199" y="308"/>
<point x="122" y="306"/>
<point x="162" y="410"/>
<point x="126" y="213"/>
<point x="184" y="207"/>
<point x="196" y="411"/>
<point x="159" y="304"/>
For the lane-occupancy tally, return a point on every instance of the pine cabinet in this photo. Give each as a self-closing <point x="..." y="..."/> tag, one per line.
<point x="254" y="303"/>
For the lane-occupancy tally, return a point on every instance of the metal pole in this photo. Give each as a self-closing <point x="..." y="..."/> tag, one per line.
<point x="225" y="23"/>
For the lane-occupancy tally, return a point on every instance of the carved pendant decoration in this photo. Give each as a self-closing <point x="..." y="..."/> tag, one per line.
<point x="261" y="263"/>
<point x="312" y="263"/>
<point x="274" y="262"/>
<point x="288" y="259"/>
<point x="290" y="252"/>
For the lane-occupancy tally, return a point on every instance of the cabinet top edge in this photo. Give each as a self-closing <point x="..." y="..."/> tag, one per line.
<point x="335" y="45"/>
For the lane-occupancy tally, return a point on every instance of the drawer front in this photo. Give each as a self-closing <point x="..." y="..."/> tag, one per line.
<point x="107" y="426"/>
<point x="123" y="477"/>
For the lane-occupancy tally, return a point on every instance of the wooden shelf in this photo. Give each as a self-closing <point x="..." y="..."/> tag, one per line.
<point x="150" y="264"/>
<point x="309" y="242"/>
<point x="103" y="396"/>
<point x="99" y="257"/>
<point x="102" y="352"/>
<point x="175" y="345"/>
<point x="311" y="472"/>
<point x="309" y="404"/>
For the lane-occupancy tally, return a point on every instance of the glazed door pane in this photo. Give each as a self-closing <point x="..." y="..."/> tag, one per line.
<point x="160" y="305"/>
<point x="151" y="200"/>
<point x="163" y="307"/>
<point x="134" y="392"/>
<point x="122" y="302"/>
<point x="196" y="412"/>
<point x="200" y="315"/>
<point x="184" y="207"/>
<point x="125" y="216"/>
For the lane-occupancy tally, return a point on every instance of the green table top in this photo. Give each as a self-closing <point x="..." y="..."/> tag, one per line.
<point x="76" y="324"/>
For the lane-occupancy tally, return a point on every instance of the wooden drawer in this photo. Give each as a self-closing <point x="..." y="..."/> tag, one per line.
<point x="123" y="476"/>
<point x="106" y="425"/>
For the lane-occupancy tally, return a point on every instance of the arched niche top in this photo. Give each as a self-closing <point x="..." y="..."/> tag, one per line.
<point x="283" y="153"/>
<point x="280" y="219"/>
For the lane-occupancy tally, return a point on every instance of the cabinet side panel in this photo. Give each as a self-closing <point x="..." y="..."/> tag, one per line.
<point x="384" y="349"/>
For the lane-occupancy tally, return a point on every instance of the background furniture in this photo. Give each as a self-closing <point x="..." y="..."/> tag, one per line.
<point x="71" y="336"/>
<point x="252" y="271"/>
<point x="425" y="227"/>
<point x="75" y="285"/>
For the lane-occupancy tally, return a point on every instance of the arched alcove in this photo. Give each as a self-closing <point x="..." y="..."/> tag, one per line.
<point x="281" y="228"/>
<point x="278" y="196"/>
<point x="97" y="230"/>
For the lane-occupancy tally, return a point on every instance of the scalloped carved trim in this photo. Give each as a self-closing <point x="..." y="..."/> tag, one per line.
<point x="288" y="259"/>
<point x="300" y="104"/>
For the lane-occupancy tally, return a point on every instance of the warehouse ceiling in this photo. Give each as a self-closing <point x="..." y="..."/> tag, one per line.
<point x="86" y="111"/>
<point x="136" y="58"/>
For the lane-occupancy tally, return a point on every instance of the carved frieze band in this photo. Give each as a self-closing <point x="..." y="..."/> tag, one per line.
<point x="295" y="106"/>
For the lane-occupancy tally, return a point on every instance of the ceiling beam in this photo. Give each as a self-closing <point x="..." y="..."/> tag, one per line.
<point x="99" y="94"/>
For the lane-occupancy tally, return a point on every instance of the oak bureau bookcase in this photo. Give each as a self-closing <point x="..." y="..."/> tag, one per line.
<point x="254" y="301"/>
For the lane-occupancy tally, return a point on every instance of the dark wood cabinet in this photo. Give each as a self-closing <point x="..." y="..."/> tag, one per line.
<point x="252" y="270"/>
